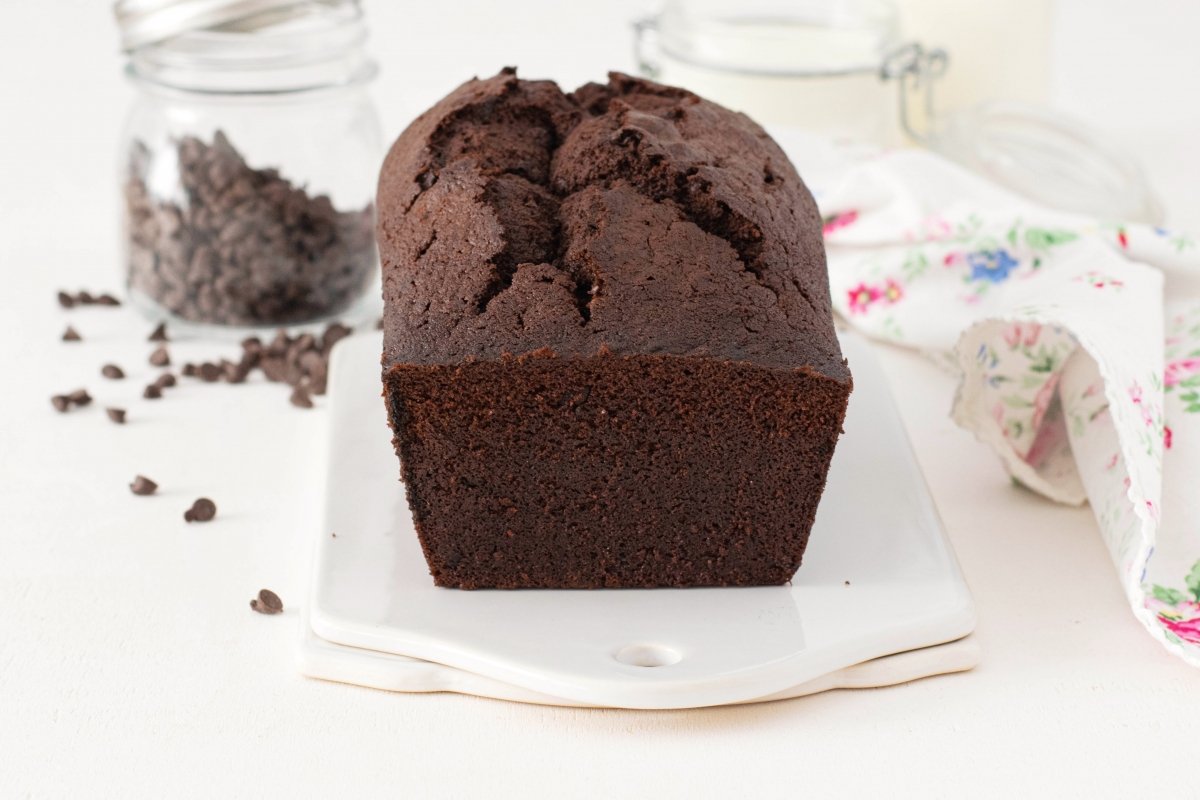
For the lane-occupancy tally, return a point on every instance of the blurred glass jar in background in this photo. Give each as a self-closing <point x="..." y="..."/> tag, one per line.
<point x="836" y="68"/>
<point x="249" y="161"/>
<point x="841" y="69"/>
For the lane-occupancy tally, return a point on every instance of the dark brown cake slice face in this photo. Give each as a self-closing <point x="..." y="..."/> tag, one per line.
<point x="613" y="471"/>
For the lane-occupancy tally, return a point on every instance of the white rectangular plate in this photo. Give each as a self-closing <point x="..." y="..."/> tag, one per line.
<point x="879" y="578"/>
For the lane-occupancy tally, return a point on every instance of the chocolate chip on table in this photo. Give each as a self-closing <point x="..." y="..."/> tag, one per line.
<point x="160" y="357"/>
<point x="159" y="334"/>
<point x="71" y="335"/>
<point x="209" y="372"/>
<point x="117" y="415"/>
<point x="84" y="298"/>
<point x="239" y="245"/>
<point x="301" y="362"/>
<point x="274" y="368"/>
<point x="300" y="398"/>
<point x="79" y="397"/>
<point x="202" y="510"/>
<point x="143" y="486"/>
<point x="152" y="392"/>
<point x="334" y="334"/>
<point x="63" y="402"/>
<point x="112" y="371"/>
<point x="236" y="373"/>
<point x="267" y="602"/>
<point x="165" y="381"/>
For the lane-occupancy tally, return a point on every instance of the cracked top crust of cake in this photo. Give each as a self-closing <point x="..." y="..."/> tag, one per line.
<point x="629" y="217"/>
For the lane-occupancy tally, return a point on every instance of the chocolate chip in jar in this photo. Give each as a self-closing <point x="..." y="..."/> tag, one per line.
<point x="242" y="245"/>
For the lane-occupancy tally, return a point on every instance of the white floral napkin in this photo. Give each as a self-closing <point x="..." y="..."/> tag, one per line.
<point x="1074" y="368"/>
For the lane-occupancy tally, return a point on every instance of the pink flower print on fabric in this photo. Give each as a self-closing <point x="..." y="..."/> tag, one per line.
<point x="1099" y="280"/>
<point x="1139" y="400"/>
<point x="1041" y="400"/>
<point x="1186" y="629"/>
<point x="836" y="222"/>
<point x="1019" y="334"/>
<point x="1179" y="610"/>
<point x="1180" y="370"/>
<point x="892" y="292"/>
<point x="861" y="297"/>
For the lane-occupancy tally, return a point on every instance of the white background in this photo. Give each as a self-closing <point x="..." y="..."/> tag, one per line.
<point x="131" y="666"/>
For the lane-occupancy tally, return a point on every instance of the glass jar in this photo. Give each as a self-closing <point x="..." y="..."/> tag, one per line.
<point x="836" y="68"/>
<point x="841" y="69"/>
<point x="249" y="161"/>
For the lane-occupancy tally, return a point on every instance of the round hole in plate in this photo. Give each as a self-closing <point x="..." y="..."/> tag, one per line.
<point x="647" y="655"/>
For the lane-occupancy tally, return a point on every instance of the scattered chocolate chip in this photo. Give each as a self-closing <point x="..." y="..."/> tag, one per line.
<point x="300" y="398"/>
<point x="71" y="335"/>
<point x="209" y="372"/>
<point x="845" y="583"/>
<point x="152" y="392"/>
<point x="159" y="334"/>
<point x="334" y="334"/>
<point x="117" y="415"/>
<point x="160" y="357"/>
<point x="63" y="402"/>
<point x="165" y="381"/>
<point x="279" y="344"/>
<point x="267" y="602"/>
<point x="235" y="373"/>
<point x="202" y="510"/>
<point x="112" y="371"/>
<point x="273" y="368"/>
<point x="84" y="298"/>
<point x="143" y="486"/>
<point x="188" y="370"/>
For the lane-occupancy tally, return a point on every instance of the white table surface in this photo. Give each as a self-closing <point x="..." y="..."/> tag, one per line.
<point x="131" y="666"/>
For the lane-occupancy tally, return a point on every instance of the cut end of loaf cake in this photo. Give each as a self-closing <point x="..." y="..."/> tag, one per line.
<point x="609" y="351"/>
<point x="613" y="471"/>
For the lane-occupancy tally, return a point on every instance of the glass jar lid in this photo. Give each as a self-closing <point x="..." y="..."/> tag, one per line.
<point x="251" y="47"/>
<point x="145" y="22"/>
<point x="1048" y="158"/>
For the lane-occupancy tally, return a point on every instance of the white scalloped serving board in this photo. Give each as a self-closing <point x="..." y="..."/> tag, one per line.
<point x="879" y="578"/>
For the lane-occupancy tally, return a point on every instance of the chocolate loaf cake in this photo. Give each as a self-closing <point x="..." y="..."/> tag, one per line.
<point x="609" y="355"/>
